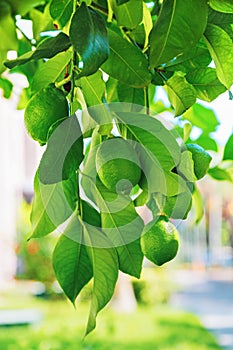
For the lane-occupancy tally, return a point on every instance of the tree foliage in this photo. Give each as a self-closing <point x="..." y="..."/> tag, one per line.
<point x="108" y="58"/>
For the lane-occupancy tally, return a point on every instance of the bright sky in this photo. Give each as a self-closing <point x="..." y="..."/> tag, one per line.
<point x="223" y="108"/>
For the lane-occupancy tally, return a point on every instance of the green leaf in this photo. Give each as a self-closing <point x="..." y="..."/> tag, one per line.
<point x="181" y="94"/>
<point x="176" y="30"/>
<point x="220" y="46"/>
<point x="225" y="6"/>
<point x="105" y="271"/>
<point x="134" y="97"/>
<point x="111" y="90"/>
<point x="228" y="149"/>
<point x="140" y="34"/>
<point x="71" y="263"/>
<point x="187" y="129"/>
<point x="30" y="68"/>
<point x="89" y="38"/>
<point x="124" y="228"/>
<point x="129" y="69"/>
<point x="207" y="142"/>
<point x="219" y="17"/>
<point x="50" y="71"/>
<point x="64" y="152"/>
<point x="7" y="86"/>
<point x="193" y="58"/>
<point x="61" y="10"/>
<point x="202" y="117"/>
<point x="93" y="89"/>
<point x="7" y="33"/>
<point x="46" y="49"/>
<point x="186" y="166"/>
<point x="41" y="22"/>
<point x="128" y="14"/>
<point x="52" y="205"/>
<point x="206" y="83"/>
<point x="220" y="174"/>
<point x="198" y="205"/>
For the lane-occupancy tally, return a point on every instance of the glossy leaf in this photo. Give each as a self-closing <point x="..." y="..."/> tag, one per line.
<point x="47" y="49"/>
<point x="225" y="6"/>
<point x="89" y="38"/>
<point x="93" y="88"/>
<point x="181" y="94"/>
<point x="135" y="97"/>
<point x="220" y="46"/>
<point x="52" y="205"/>
<point x="128" y="14"/>
<point x="220" y="18"/>
<point x="195" y="57"/>
<point x="130" y="69"/>
<point x="179" y="27"/>
<point x="202" y="117"/>
<point x="206" y="83"/>
<point x="71" y="264"/>
<point x="228" y="149"/>
<point x="124" y="228"/>
<point x="105" y="271"/>
<point x="61" y="10"/>
<point x="51" y="71"/>
<point x="64" y="152"/>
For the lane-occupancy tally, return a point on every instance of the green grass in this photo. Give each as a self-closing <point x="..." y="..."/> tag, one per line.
<point x="149" y="328"/>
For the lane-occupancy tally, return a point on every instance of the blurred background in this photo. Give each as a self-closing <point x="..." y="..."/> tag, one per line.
<point x="186" y="304"/>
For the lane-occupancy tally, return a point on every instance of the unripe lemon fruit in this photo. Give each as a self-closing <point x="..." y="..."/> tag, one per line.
<point x="201" y="159"/>
<point x="45" y="108"/>
<point x="118" y="165"/>
<point x="160" y="241"/>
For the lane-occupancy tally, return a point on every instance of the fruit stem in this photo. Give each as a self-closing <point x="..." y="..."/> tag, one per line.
<point x="147" y="102"/>
<point x="63" y="82"/>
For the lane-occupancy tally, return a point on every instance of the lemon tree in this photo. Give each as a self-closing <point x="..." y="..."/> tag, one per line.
<point x="94" y="69"/>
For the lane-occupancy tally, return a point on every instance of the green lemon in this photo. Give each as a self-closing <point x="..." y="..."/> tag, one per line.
<point x="201" y="159"/>
<point x="178" y="207"/>
<point x="44" y="109"/>
<point x="160" y="241"/>
<point x="118" y="165"/>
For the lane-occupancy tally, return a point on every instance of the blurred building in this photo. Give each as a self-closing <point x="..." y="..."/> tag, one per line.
<point x="19" y="157"/>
